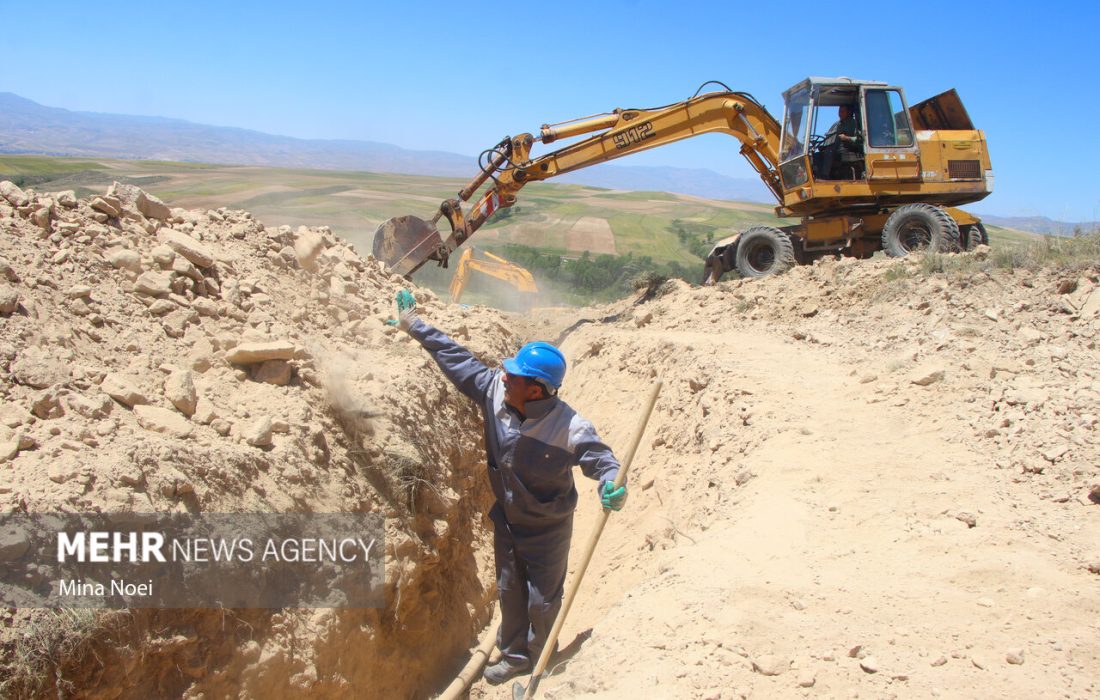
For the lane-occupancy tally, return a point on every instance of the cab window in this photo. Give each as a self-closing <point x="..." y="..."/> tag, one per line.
<point x="887" y="120"/>
<point x="794" y="126"/>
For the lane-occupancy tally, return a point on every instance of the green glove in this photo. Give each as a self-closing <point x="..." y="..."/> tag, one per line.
<point x="405" y="300"/>
<point x="406" y="310"/>
<point x="612" y="498"/>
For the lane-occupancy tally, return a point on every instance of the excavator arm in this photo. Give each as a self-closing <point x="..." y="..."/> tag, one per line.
<point x="496" y="266"/>
<point x="406" y="243"/>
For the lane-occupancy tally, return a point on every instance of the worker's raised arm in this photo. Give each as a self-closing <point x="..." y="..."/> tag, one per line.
<point x="465" y="371"/>
<point x="459" y="365"/>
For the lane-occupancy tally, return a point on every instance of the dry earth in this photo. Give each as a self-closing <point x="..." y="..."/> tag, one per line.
<point x="172" y="360"/>
<point x="854" y="486"/>
<point x="859" y="481"/>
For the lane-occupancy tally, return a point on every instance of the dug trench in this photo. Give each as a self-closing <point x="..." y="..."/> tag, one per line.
<point x="860" y="479"/>
<point x="158" y="360"/>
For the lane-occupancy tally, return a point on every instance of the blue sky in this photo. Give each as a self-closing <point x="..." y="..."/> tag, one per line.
<point x="459" y="76"/>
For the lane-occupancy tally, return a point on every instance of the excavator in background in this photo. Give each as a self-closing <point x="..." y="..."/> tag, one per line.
<point x="496" y="267"/>
<point x="912" y="166"/>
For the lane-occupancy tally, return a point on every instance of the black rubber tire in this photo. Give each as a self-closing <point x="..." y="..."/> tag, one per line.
<point x="970" y="237"/>
<point x="763" y="251"/>
<point x="978" y="232"/>
<point x="918" y="227"/>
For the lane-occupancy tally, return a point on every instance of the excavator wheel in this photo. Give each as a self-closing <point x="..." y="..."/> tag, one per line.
<point x="919" y="227"/>
<point x="973" y="236"/>
<point x="763" y="251"/>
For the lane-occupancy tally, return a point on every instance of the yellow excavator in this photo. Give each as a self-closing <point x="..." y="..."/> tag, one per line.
<point x="495" y="266"/>
<point x="861" y="169"/>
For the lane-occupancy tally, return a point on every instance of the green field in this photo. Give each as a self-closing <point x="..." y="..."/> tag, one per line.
<point x="354" y="203"/>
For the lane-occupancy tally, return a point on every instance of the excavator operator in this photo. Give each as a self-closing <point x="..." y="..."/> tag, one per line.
<point x="848" y="161"/>
<point x="532" y="441"/>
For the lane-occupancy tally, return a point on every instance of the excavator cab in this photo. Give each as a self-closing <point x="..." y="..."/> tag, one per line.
<point x="838" y="129"/>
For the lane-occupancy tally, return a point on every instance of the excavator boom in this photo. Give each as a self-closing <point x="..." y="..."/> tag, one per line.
<point x="407" y="242"/>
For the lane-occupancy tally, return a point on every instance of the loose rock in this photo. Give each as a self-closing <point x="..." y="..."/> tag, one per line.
<point x="123" y="390"/>
<point x="11" y="192"/>
<point x="125" y="258"/>
<point x="152" y="207"/>
<point x="307" y="246"/>
<point x="67" y="199"/>
<point x="107" y="205"/>
<point x="770" y="665"/>
<point x="153" y="284"/>
<point x="161" y="420"/>
<point x="251" y="353"/>
<point x="60" y="472"/>
<point x="187" y="246"/>
<point x="8" y="450"/>
<point x="259" y="433"/>
<point x="47" y="405"/>
<point x="91" y="407"/>
<point x="970" y="519"/>
<point x="9" y="300"/>
<point x="179" y="388"/>
<point x="275" y="372"/>
<point x="41" y="218"/>
<point x="927" y="375"/>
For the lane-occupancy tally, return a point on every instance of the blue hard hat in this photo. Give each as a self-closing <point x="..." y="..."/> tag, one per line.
<point x="538" y="360"/>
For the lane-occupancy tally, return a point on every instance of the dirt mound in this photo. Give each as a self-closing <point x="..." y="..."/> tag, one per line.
<point x="157" y="360"/>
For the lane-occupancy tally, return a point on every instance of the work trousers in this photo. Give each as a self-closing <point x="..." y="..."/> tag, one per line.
<point x="531" y="566"/>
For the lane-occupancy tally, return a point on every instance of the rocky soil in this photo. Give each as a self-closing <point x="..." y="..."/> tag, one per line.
<point x="860" y="480"/>
<point x="157" y="360"/>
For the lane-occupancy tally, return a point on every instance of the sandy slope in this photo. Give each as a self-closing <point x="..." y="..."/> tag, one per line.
<point x="859" y="480"/>
<point x="845" y="546"/>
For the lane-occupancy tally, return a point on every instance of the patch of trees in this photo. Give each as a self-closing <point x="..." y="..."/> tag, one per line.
<point x="696" y="237"/>
<point x="596" y="278"/>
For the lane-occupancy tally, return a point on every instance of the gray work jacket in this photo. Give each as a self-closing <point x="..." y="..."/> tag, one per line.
<point x="530" y="460"/>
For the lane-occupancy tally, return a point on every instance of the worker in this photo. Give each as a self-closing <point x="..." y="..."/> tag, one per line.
<point x="532" y="441"/>
<point x="848" y="165"/>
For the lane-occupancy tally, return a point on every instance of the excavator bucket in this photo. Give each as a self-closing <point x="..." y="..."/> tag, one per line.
<point x="405" y="243"/>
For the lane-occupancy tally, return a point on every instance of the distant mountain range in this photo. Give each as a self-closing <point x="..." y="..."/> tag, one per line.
<point x="28" y="127"/>
<point x="1041" y="224"/>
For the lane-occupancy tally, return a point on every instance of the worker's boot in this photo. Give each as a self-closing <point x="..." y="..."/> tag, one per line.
<point x="504" y="669"/>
